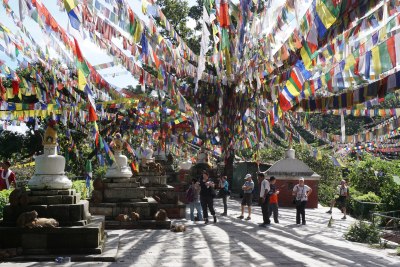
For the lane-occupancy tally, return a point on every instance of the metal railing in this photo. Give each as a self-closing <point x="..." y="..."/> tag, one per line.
<point x="364" y="210"/>
<point x="389" y="224"/>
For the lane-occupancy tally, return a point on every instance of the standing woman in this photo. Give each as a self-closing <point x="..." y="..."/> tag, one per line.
<point x="301" y="193"/>
<point x="224" y="192"/>
<point x="207" y="196"/>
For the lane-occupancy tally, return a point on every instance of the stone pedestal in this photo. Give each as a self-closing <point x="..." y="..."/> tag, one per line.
<point x="78" y="231"/>
<point x="124" y="196"/>
<point x="51" y="196"/>
<point x="166" y="195"/>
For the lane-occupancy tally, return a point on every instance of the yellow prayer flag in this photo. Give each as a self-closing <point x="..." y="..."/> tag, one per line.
<point x="324" y="14"/>
<point x="81" y="80"/>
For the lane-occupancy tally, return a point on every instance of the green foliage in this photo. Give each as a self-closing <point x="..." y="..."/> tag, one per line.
<point x="330" y="174"/>
<point x="363" y="232"/>
<point x="363" y="205"/>
<point x="100" y="172"/>
<point x="11" y="144"/>
<point x="23" y="173"/>
<point x="331" y="123"/>
<point x="4" y="194"/>
<point x="372" y="174"/>
<point x="271" y="154"/>
<point x="80" y="187"/>
<point x="391" y="196"/>
<point x="369" y="197"/>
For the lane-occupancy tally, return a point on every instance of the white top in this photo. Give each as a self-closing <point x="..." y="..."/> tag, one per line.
<point x="264" y="186"/>
<point x="342" y="190"/>
<point x="301" y="192"/>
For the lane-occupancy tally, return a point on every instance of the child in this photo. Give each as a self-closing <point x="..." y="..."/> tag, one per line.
<point x="273" y="199"/>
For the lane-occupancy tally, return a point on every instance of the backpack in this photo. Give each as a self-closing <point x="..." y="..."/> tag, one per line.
<point x="190" y="195"/>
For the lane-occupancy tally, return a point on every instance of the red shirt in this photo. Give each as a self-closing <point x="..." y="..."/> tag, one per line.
<point x="273" y="199"/>
<point x="3" y="182"/>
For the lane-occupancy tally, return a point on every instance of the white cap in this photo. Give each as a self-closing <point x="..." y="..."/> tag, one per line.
<point x="247" y="176"/>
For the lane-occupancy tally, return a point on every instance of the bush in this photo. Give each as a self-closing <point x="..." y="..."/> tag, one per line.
<point x="363" y="232"/>
<point x="100" y="172"/>
<point x="391" y="197"/>
<point x="4" y="194"/>
<point x="80" y="187"/>
<point x="363" y="210"/>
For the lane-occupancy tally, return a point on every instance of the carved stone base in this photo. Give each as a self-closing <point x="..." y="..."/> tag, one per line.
<point x="49" y="182"/>
<point x="60" y="240"/>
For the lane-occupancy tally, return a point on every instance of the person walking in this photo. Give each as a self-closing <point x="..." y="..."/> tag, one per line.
<point x="193" y="198"/>
<point x="301" y="193"/>
<point x="247" y="196"/>
<point x="341" y="198"/>
<point x="273" y="199"/>
<point x="224" y="193"/>
<point x="264" y="198"/>
<point x="7" y="179"/>
<point x="207" y="196"/>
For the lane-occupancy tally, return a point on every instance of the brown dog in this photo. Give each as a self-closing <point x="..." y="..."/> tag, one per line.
<point x="122" y="218"/>
<point x="161" y="215"/>
<point x="135" y="216"/>
<point x="178" y="228"/>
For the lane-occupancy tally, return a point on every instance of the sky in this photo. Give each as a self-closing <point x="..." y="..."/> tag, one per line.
<point x="116" y="75"/>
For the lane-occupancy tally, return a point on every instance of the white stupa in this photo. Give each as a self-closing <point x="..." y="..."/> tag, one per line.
<point x="49" y="167"/>
<point x="119" y="168"/>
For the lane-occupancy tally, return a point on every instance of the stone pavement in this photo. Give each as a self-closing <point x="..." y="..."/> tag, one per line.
<point x="234" y="242"/>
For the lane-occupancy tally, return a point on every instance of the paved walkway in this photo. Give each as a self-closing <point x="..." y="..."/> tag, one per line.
<point x="234" y="242"/>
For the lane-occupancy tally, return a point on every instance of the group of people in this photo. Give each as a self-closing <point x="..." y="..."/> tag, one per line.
<point x="201" y="197"/>
<point x="269" y="199"/>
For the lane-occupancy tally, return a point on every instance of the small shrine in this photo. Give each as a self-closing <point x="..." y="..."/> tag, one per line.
<point x="123" y="199"/>
<point x="287" y="172"/>
<point x="50" y="217"/>
<point x="154" y="176"/>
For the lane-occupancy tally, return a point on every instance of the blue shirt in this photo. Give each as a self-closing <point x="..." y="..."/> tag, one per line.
<point x="251" y="184"/>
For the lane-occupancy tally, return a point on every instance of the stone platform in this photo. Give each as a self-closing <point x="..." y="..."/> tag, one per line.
<point x="65" y="206"/>
<point x="79" y="232"/>
<point x="124" y="196"/>
<point x="146" y="207"/>
<point x="88" y="239"/>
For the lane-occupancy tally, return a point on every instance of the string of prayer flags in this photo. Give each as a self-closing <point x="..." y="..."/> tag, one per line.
<point x="71" y="7"/>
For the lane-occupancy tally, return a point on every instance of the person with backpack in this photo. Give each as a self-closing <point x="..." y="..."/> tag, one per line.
<point x="341" y="198"/>
<point x="224" y="193"/>
<point x="193" y="198"/>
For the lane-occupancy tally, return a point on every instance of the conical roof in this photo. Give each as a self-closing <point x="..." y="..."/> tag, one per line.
<point x="290" y="166"/>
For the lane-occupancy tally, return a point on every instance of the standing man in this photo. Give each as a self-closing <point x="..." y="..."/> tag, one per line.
<point x="273" y="199"/>
<point x="207" y="196"/>
<point x="264" y="196"/>
<point x="224" y="192"/>
<point x="247" y="196"/>
<point x="301" y="193"/>
<point x="7" y="176"/>
<point x="341" y="198"/>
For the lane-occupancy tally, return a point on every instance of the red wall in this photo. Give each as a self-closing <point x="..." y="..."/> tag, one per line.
<point x="285" y="198"/>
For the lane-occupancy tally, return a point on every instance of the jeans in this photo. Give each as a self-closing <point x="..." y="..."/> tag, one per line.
<point x="192" y="206"/>
<point x="224" y="198"/>
<point x="207" y="202"/>
<point x="301" y="210"/>
<point x="273" y="209"/>
<point x="265" y="211"/>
